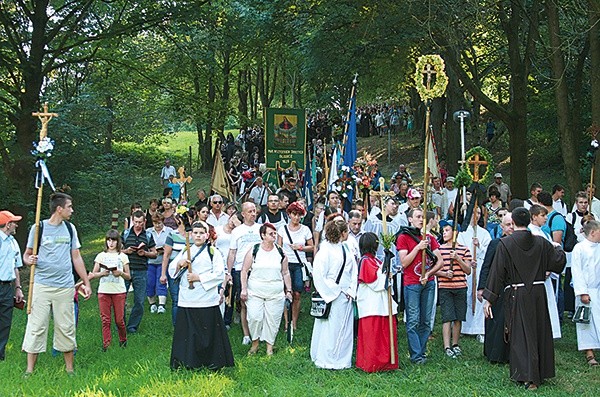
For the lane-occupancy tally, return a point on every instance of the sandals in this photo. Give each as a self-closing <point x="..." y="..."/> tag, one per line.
<point x="530" y="386"/>
<point x="591" y="360"/>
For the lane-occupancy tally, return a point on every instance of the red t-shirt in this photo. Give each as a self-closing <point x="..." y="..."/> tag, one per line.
<point x="412" y="273"/>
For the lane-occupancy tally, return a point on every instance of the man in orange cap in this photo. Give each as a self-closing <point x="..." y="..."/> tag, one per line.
<point x="10" y="262"/>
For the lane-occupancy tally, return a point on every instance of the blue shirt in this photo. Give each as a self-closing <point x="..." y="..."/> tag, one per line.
<point x="558" y="224"/>
<point x="10" y="257"/>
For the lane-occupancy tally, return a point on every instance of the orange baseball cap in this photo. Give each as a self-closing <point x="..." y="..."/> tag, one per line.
<point x="7" y="216"/>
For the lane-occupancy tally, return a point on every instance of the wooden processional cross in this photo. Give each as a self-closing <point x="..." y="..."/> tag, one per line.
<point x="45" y="118"/>
<point x="429" y="72"/>
<point x="182" y="180"/>
<point x="476" y="162"/>
<point x="382" y="195"/>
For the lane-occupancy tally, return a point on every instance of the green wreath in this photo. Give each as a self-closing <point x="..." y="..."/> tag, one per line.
<point x="441" y="80"/>
<point x="464" y="177"/>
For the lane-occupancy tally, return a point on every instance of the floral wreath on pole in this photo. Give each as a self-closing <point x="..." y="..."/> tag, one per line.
<point x="464" y="176"/>
<point x="441" y="80"/>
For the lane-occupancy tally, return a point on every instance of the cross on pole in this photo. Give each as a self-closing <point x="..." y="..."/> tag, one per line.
<point x="382" y="194"/>
<point x="476" y="162"/>
<point x="45" y="118"/>
<point x="182" y="180"/>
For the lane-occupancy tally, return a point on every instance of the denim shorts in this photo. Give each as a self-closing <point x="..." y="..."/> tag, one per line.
<point x="296" y="276"/>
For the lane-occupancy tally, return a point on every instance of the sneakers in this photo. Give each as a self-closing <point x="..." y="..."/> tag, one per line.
<point x="246" y="340"/>
<point x="480" y="338"/>
<point x="450" y="352"/>
<point x="161" y="309"/>
<point x="153" y="308"/>
<point x="457" y="350"/>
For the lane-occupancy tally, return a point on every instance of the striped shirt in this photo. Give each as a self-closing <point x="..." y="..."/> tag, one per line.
<point x="459" y="278"/>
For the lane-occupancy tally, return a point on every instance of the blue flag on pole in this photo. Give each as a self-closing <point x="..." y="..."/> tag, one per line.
<point x="350" y="148"/>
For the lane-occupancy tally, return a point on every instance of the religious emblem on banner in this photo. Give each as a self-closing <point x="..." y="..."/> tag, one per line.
<point x="285" y="138"/>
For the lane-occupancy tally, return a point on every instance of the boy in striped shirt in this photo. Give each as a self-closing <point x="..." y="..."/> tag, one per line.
<point x="452" y="289"/>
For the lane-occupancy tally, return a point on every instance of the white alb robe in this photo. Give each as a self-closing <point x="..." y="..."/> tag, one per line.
<point x="474" y="323"/>
<point x="585" y="267"/>
<point x="332" y="338"/>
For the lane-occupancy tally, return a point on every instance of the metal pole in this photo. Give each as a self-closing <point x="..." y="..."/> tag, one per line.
<point x="461" y="116"/>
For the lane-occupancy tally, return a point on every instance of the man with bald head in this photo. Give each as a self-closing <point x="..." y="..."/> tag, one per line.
<point x="243" y="238"/>
<point x="494" y="347"/>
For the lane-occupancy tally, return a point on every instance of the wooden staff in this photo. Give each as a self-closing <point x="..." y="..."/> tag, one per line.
<point x="425" y="189"/>
<point x="474" y="266"/>
<point x="382" y="194"/>
<point x="189" y="257"/>
<point x="45" y="118"/>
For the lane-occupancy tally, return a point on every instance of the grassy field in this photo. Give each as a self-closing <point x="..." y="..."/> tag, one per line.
<point x="142" y="369"/>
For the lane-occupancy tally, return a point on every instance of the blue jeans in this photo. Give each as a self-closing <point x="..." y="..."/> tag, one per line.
<point x="139" y="279"/>
<point x="419" y="304"/>
<point x="174" y="292"/>
<point x="237" y="289"/>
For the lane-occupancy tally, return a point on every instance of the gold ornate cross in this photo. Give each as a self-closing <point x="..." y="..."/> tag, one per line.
<point x="430" y="72"/>
<point x="476" y="163"/>
<point x="45" y="118"/>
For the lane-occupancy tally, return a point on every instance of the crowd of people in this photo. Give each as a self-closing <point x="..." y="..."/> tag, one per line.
<point x="500" y="279"/>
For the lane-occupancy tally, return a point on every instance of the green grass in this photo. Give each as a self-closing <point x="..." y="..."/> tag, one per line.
<point x="142" y="369"/>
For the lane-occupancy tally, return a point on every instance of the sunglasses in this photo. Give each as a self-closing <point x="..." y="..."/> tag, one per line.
<point x="217" y="202"/>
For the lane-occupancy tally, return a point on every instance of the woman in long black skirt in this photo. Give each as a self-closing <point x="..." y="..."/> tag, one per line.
<point x="200" y="339"/>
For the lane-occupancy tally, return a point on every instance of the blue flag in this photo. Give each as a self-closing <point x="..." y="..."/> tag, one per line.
<point x="350" y="148"/>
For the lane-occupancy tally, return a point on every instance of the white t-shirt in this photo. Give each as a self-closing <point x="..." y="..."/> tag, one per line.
<point x="111" y="284"/>
<point x="300" y="236"/>
<point x="243" y="238"/>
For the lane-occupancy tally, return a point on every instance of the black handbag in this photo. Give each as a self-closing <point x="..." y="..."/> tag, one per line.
<point x="318" y="307"/>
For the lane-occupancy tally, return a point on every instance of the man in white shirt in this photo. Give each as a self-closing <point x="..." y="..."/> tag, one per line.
<point x="558" y="192"/>
<point x="534" y="190"/>
<point x="259" y="193"/>
<point x="243" y="238"/>
<point x="166" y="172"/>
<point x="216" y="217"/>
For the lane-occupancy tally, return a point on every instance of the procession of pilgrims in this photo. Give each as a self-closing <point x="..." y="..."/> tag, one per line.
<point x="365" y="254"/>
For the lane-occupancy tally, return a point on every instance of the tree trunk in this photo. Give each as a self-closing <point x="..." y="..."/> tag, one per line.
<point x="567" y="136"/>
<point x="242" y="90"/>
<point x="206" y="148"/>
<point x="109" y="126"/>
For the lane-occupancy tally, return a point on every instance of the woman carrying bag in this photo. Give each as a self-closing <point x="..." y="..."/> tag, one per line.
<point x="335" y="279"/>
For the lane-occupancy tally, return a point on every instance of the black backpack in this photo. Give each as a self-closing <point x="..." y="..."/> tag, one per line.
<point x="570" y="238"/>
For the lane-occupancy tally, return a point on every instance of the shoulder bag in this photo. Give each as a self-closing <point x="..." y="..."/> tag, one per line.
<point x="318" y="307"/>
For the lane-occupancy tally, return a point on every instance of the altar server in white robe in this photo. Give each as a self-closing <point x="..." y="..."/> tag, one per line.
<point x="585" y="266"/>
<point x="332" y="338"/>
<point x="474" y="323"/>
<point x="539" y="215"/>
